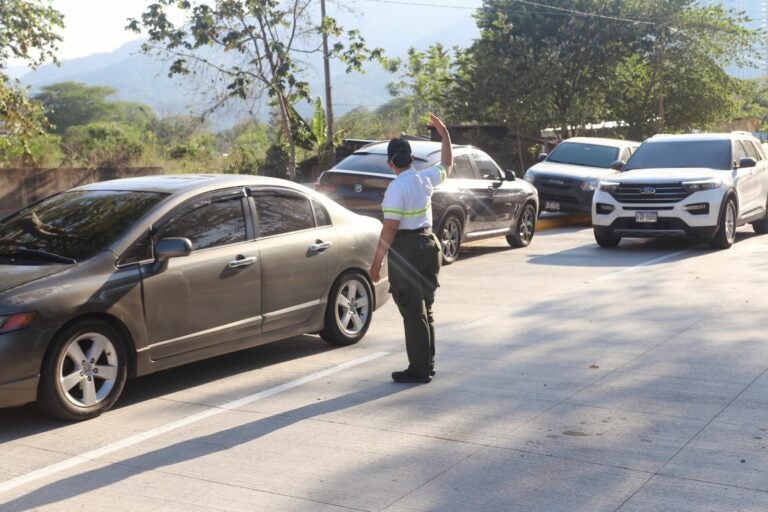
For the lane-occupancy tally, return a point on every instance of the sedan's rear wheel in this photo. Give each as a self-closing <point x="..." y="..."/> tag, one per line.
<point x="84" y="372"/>
<point x="450" y="234"/>
<point x="525" y="228"/>
<point x="349" y="310"/>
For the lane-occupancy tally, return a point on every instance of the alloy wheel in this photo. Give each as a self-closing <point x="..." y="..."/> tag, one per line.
<point x="88" y="370"/>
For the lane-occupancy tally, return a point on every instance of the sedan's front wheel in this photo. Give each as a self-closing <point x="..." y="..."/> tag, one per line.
<point x="84" y="372"/>
<point x="349" y="310"/>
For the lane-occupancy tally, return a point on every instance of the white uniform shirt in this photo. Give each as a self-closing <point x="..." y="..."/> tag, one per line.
<point x="409" y="197"/>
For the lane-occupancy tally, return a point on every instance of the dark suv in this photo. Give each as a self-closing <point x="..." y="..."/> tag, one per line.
<point x="478" y="200"/>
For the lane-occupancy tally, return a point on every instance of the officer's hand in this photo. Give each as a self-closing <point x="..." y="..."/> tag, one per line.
<point x="438" y="124"/>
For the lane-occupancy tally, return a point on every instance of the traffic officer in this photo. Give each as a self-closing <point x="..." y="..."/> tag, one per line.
<point x="414" y="251"/>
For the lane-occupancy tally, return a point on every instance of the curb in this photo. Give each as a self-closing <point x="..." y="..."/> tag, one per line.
<point x="561" y="221"/>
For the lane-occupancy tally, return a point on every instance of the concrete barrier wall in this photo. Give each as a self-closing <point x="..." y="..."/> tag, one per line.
<point x="20" y="187"/>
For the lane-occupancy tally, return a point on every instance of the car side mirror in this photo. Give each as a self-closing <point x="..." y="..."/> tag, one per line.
<point x="509" y="175"/>
<point x="616" y="165"/>
<point x="168" y="248"/>
<point x="542" y="156"/>
<point x="746" y="162"/>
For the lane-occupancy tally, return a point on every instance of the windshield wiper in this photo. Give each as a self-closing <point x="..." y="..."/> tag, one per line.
<point x="39" y="254"/>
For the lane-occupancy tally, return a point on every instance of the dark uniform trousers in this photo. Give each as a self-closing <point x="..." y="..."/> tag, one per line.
<point x="414" y="263"/>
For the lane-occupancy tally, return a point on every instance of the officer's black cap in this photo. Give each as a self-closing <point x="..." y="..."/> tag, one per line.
<point x="398" y="146"/>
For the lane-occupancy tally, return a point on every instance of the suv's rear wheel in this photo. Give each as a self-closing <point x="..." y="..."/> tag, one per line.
<point x="450" y="233"/>
<point x="726" y="230"/>
<point x="605" y="237"/>
<point x="761" y="226"/>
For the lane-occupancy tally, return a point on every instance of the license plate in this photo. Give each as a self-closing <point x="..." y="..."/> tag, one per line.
<point x="551" y="205"/>
<point x="646" y="216"/>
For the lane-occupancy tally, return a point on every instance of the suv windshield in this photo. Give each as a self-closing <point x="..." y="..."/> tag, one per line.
<point x="712" y="154"/>
<point x="372" y="162"/>
<point x="73" y="225"/>
<point x="579" y="153"/>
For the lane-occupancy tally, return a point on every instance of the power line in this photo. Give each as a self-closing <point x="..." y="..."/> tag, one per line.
<point x="582" y="13"/>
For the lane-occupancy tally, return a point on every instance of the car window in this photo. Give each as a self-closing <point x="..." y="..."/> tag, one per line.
<point x="210" y="223"/>
<point x="282" y="211"/>
<point x="750" y="149"/>
<point x="462" y="168"/>
<point x="580" y="153"/>
<point x="76" y="224"/>
<point x="486" y="167"/>
<point x="738" y="152"/>
<point x="372" y="162"/>
<point x="321" y="214"/>
<point x="625" y="154"/>
<point x="661" y="154"/>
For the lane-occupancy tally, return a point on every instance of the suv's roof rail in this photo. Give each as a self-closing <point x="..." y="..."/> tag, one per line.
<point x="742" y="132"/>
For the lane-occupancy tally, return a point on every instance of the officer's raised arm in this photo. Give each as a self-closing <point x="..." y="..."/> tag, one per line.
<point x="446" y="154"/>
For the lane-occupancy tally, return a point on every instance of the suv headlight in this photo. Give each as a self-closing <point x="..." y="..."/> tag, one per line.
<point x="530" y="175"/>
<point x="695" y="186"/>
<point x="15" y="322"/>
<point x="608" y="186"/>
<point x="590" y="184"/>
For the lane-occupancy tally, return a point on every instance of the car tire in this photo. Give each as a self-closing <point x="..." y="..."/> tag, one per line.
<point x="726" y="227"/>
<point x="450" y="232"/>
<point x="761" y="226"/>
<point x="349" y="310"/>
<point x="525" y="228"/>
<point x="84" y="371"/>
<point x="605" y="237"/>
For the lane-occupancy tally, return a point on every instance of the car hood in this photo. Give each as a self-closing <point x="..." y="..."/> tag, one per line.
<point x="669" y="175"/>
<point x="575" y="171"/>
<point x="12" y="276"/>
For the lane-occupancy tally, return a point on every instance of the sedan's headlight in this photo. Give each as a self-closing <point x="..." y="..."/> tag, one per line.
<point x="590" y="184"/>
<point x="608" y="186"/>
<point x="530" y="175"/>
<point x="695" y="186"/>
<point x="15" y="322"/>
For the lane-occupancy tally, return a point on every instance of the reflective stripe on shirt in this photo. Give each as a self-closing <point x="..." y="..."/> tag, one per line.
<point x="409" y="197"/>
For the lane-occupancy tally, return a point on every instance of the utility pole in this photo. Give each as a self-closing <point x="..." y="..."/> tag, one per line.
<point x="328" y="96"/>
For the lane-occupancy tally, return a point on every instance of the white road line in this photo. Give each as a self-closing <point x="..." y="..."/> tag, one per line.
<point x="66" y="464"/>
<point x="639" y="265"/>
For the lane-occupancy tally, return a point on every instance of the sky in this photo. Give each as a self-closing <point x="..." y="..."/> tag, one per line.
<point x="97" y="26"/>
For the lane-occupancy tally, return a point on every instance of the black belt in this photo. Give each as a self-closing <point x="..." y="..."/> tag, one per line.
<point x="403" y="232"/>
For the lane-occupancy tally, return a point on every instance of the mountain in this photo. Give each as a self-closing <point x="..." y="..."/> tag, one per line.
<point x="142" y="78"/>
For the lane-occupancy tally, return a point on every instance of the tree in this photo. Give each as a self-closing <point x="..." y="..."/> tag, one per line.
<point x="74" y="104"/>
<point x="250" y="47"/>
<point x="103" y="145"/>
<point x="425" y="81"/>
<point x="676" y="80"/>
<point x="27" y="32"/>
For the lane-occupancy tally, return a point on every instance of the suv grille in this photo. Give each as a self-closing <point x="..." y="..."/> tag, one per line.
<point x="650" y="193"/>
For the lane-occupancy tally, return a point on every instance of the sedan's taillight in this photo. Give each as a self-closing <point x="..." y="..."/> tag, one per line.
<point x="324" y="188"/>
<point x="15" y="322"/>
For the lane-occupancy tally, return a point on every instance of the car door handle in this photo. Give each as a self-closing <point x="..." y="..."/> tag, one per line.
<point x="241" y="261"/>
<point x="320" y="246"/>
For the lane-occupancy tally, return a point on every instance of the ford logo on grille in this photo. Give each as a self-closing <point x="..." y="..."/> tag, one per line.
<point x="358" y="188"/>
<point x="647" y="191"/>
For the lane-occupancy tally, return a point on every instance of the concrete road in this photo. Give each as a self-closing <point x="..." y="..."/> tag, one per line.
<point x="570" y="378"/>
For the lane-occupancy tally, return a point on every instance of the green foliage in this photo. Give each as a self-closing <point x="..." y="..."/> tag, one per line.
<point x="103" y="145"/>
<point x="425" y="81"/>
<point x="387" y="121"/>
<point x="40" y="151"/>
<point x="70" y="104"/>
<point x="27" y="32"/>
<point x="257" y="41"/>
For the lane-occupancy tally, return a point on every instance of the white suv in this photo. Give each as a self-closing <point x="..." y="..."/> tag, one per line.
<point x="702" y="185"/>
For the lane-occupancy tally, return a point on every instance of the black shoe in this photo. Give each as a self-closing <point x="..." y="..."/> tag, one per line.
<point x="408" y="377"/>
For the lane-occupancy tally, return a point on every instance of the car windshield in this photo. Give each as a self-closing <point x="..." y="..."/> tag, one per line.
<point x="73" y="225"/>
<point x="579" y="153"/>
<point x="372" y="162"/>
<point x="712" y="154"/>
